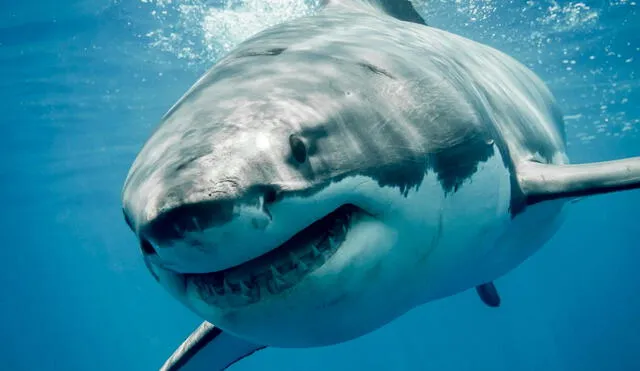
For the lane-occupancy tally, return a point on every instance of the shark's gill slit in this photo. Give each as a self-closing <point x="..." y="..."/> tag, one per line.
<point x="284" y="266"/>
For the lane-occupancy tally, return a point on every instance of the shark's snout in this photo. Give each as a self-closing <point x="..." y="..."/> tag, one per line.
<point x="174" y="224"/>
<point x="206" y="235"/>
<point x="167" y="218"/>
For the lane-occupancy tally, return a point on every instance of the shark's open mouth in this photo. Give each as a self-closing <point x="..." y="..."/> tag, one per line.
<point x="280" y="268"/>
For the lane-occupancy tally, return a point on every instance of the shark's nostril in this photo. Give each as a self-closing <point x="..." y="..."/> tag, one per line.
<point x="147" y="248"/>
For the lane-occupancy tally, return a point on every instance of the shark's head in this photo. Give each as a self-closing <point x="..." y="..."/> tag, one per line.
<point x="272" y="197"/>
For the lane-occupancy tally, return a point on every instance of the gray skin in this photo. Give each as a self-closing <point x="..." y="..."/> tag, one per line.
<point x="350" y="93"/>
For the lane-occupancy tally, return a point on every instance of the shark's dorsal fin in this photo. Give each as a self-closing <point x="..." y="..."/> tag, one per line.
<point x="543" y="182"/>
<point x="401" y="9"/>
<point x="209" y="348"/>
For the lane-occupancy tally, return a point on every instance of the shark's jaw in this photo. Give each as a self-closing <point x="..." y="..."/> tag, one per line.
<point x="269" y="275"/>
<point x="279" y="269"/>
<point x="334" y="267"/>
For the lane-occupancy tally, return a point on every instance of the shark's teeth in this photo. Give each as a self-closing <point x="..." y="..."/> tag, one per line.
<point x="302" y="266"/>
<point x="278" y="285"/>
<point x="294" y="259"/>
<point x="314" y="251"/>
<point x="277" y="276"/>
<point x="225" y="285"/>
<point x="274" y="271"/>
<point x="244" y="289"/>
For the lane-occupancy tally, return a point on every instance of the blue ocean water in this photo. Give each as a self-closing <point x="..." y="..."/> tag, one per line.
<point x="84" y="82"/>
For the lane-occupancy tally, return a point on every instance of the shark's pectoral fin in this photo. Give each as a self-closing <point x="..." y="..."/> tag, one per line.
<point x="543" y="182"/>
<point x="209" y="348"/>
<point x="489" y="294"/>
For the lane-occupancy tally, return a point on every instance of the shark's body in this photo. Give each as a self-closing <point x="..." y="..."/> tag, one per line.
<point x="352" y="165"/>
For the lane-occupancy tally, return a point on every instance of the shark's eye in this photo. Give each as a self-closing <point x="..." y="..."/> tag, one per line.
<point x="298" y="149"/>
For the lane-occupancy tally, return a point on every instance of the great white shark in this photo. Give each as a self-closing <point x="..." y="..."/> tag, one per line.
<point x="335" y="171"/>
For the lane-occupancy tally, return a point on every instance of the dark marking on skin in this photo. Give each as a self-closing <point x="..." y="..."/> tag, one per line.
<point x="376" y="70"/>
<point x="459" y="162"/>
<point x="452" y="166"/>
<point x="190" y="154"/>
<point x="489" y="294"/>
<point x="188" y="161"/>
<point x="405" y="178"/>
<point x="256" y="53"/>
